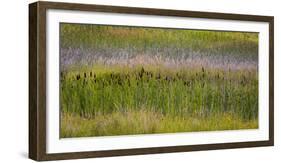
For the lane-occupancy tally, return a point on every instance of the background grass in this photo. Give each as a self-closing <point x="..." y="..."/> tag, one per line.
<point x="83" y="44"/>
<point x="157" y="39"/>
<point x="128" y="80"/>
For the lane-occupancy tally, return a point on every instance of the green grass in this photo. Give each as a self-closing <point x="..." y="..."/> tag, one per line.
<point x="148" y="122"/>
<point x="157" y="40"/>
<point x="129" y="80"/>
<point x="172" y="93"/>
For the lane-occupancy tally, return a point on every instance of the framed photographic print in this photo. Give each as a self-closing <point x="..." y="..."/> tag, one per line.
<point x="112" y="81"/>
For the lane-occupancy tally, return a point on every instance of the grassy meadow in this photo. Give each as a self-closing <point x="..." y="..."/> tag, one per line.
<point x="133" y="80"/>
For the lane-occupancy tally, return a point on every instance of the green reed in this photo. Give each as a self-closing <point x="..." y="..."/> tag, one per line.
<point x="182" y="91"/>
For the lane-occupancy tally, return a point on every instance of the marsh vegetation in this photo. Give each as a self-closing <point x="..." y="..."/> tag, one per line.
<point x="130" y="80"/>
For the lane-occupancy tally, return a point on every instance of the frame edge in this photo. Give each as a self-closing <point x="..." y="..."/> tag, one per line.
<point x="33" y="110"/>
<point x="271" y="80"/>
<point x="152" y="11"/>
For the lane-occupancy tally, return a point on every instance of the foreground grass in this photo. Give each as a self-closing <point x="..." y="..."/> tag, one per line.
<point x="147" y="122"/>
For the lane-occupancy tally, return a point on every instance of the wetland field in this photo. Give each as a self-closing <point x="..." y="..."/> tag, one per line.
<point x="120" y="80"/>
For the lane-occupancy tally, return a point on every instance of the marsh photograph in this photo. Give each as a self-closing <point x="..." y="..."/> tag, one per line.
<point x="126" y="80"/>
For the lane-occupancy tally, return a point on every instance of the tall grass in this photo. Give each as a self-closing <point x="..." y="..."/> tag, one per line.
<point x="184" y="92"/>
<point x="130" y="80"/>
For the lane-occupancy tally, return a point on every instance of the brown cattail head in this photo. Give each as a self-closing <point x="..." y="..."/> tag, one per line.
<point x="129" y="83"/>
<point x="203" y="84"/>
<point x="158" y="76"/>
<point x="203" y="75"/>
<point x="142" y="70"/>
<point x="78" y="77"/>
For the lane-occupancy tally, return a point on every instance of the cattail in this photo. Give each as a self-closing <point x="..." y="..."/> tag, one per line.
<point x="141" y="74"/>
<point x="91" y="74"/>
<point x="78" y="77"/>
<point x="119" y="82"/>
<point x="142" y="70"/>
<point x="61" y="75"/>
<point x="187" y="83"/>
<point x="243" y="81"/>
<point x="129" y="83"/>
<point x="168" y="78"/>
<point x="158" y="76"/>
<point x="203" y="75"/>
<point x="85" y="75"/>
<point x="203" y="70"/>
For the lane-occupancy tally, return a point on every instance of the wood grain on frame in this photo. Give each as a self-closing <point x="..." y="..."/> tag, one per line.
<point x="37" y="80"/>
